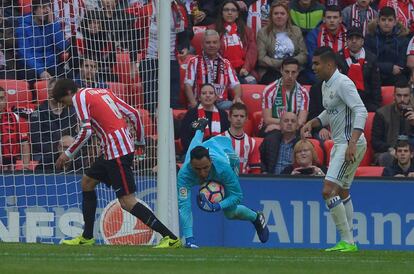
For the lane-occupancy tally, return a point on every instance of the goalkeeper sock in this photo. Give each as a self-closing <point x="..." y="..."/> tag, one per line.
<point x="241" y="213"/>
<point x="88" y="210"/>
<point x="337" y="209"/>
<point x="349" y="209"/>
<point x="147" y="217"/>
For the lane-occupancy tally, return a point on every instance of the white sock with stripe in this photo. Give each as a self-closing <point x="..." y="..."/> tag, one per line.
<point x="337" y="210"/>
<point x="349" y="210"/>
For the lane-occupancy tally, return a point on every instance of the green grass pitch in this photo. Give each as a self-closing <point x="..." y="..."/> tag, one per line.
<point x="45" y="259"/>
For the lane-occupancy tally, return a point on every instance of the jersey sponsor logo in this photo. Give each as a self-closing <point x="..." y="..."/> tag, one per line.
<point x="183" y="192"/>
<point x="332" y="111"/>
<point x="119" y="227"/>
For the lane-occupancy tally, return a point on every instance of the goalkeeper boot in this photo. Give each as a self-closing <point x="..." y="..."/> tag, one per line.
<point x="261" y="227"/>
<point x="200" y="124"/>
<point x="167" y="242"/>
<point x="80" y="240"/>
<point x="343" y="247"/>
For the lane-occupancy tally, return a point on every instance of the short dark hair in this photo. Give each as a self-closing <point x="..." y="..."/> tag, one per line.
<point x="37" y="3"/>
<point x="402" y="143"/>
<point x="326" y="54"/>
<point x="290" y="61"/>
<point x="401" y="82"/>
<point x="207" y="84"/>
<point x="387" y="11"/>
<point x="62" y="87"/>
<point x="333" y="8"/>
<point x="238" y="106"/>
<point x="198" y="153"/>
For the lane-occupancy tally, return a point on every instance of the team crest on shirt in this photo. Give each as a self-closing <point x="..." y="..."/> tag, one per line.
<point x="183" y="192"/>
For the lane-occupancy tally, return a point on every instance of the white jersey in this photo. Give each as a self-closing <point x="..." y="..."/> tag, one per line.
<point x="344" y="110"/>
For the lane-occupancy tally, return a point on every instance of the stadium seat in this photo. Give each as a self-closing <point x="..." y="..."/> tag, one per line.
<point x="122" y="68"/>
<point x="328" y="147"/>
<point x="149" y="127"/>
<point x="197" y="42"/>
<point x="387" y="93"/>
<point x="131" y="94"/>
<point x="41" y="91"/>
<point x="17" y="93"/>
<point x="252" y="97"/>
<point x="369" y="154"/>
<point x="255" y="160"/>
<point x="369" y="171"/>
<point x="248" y="127"/>
<point x="25" y="6"/>
<point x="318" y="149"/>
<point x="257" y="122"/>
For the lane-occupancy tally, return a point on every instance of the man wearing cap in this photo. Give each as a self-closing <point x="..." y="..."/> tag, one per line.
<point x="361" y="67"/>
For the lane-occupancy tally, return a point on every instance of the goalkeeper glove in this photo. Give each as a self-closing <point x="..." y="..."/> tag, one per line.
<point x="204" y="204"/>
<point x="190" y="243"/>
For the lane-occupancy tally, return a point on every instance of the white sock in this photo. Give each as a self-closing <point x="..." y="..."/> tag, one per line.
<point x="337" y="210"/>
<point x="349" y="209"/>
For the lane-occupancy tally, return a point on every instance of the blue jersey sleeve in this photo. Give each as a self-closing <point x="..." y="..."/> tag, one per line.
<point x="233" y="192"/>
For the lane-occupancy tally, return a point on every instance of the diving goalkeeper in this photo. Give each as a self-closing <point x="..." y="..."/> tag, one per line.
<point x="213" y="160"/>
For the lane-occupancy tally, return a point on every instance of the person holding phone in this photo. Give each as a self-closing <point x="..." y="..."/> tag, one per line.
<point x="305" y="160"/>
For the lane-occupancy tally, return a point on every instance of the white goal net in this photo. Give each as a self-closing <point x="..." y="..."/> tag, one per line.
<point x="99" y="44"/>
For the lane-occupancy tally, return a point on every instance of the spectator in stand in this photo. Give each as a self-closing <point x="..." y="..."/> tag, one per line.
<point x="97" y="45"/>
<point x="359" y="15"/>
<point x="278" y="40"/>
<point x="203" y="12"/>
<point x="392" y="121"/>
<point x="305" y="161"/>
<point x="211" y="67"/>
<point x="7" y="47"/>
<point x="272" y="162"/>
<point x="331" y="33"/>
<point x="87" y="77"/>
<point x="387" y="40"/>
<point x="361" y="67"/>
<point x="284" y="95"/>
<point x="218" y="121"/>
<point x="403" y="165"/>
<point x="237" y="41"/>
<point x="258" y="15"/>
<point x="48" y="124"/>
<point x="40" y="43"/>
<point x="243" y="144"/>
<point x="403" y="10"/>
<point x="13" y="142"/>
<point x="306" y="14"/>
<point x="181" y="33"/>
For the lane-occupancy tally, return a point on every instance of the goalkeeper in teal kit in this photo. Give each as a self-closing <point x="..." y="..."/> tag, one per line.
<point x="213" y="160"/>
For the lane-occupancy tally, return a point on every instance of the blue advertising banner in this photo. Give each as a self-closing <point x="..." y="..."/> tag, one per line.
<point x="298" y="218"/>
<point x="46" y="208"/>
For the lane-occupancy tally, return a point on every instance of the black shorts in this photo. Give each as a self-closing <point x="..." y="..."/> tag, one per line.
<point x="116" y="173"/>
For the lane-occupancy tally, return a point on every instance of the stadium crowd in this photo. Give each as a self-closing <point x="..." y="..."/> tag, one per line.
<point x="245" y="65"/>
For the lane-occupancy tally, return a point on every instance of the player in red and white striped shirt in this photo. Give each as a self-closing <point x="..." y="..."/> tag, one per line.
<point x="242" y="143"/>
<point x="99" y="110"/>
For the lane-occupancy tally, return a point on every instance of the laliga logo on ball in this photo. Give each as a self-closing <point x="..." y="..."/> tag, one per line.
<point x="119" y="227"/>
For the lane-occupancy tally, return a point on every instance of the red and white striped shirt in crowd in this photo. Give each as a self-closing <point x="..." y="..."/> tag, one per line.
<point x="255" y="14"/>
<point x="243" y="146"/>
<point x="218" y="72"/>
<point x="275" y="90"/>
<point x="410" y="48"/>
<point x="336" y="42"/>
<point x="70" y="12"/>
<point x="101" y="111"/>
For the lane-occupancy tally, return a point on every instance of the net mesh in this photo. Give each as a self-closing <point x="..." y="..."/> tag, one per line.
<point x="99" y="44"/>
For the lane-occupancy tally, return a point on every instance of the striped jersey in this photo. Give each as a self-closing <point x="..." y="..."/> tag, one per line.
<point x="70" y="12"/>
<point x="243" y="146"/>
<point x="99" y="110"/>
<point x="344" y="110"/>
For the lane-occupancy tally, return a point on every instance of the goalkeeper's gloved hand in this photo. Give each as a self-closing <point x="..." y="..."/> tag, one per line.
<point x="190" y="243"/>
<point x="204" y="204"/>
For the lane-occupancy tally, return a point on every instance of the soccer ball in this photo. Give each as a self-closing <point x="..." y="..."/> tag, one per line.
<point x="214" y="192"/>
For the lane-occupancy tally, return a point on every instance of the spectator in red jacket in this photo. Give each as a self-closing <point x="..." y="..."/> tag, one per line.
<point x="238" y="44"/>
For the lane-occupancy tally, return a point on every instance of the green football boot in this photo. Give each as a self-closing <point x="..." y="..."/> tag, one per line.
<point x="343" y="247"/>
<point x="167" y="242"/>
<point x="80" y="240"/>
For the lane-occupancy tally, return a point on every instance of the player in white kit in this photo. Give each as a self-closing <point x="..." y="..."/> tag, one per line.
<point x="345" y="114"/>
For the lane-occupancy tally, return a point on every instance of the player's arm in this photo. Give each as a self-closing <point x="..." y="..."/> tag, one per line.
<point x="133" y="115"/>
<point x="320" y="121"/>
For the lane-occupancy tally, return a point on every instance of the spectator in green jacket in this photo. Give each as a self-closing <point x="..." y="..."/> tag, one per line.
<point x="306" y="14"/>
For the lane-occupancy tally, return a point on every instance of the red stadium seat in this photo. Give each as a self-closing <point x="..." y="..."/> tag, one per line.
<point x="387" y="93"/>
<point x="369" y="171"/>
<point x="328" y="147"/>
<point x="319" y="150"/>
<point x="257" y="122"/>
<point x="41" y="91"/>
<point x="369" y="154"/>
<point x="197" y="42"/>
<point x="149" y="127"/>
<point x="122" y="68"/>
<point x="17" y="93"/>
<point x="25" y="6"/>
<point x="248" y="127"/>
<point x="252" y="97"/>
<point x="255" y="160"/>
<point x="131" y="94"/>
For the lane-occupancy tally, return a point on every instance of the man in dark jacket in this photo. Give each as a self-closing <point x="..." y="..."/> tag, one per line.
<point x="361" y="67"/>
<point x="387" y="40"/>
<point x="403" y="165"/>
<point x="306" y="14"/>
<point x="392" y="121"/>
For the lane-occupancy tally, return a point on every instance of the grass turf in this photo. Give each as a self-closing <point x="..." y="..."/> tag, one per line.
<point x="44" y="259"/>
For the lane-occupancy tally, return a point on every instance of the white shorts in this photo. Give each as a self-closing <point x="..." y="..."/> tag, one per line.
<point x="340" y="171"/>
